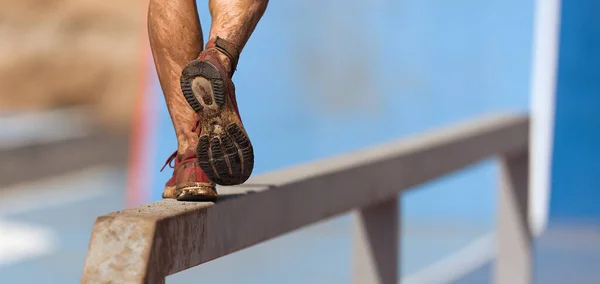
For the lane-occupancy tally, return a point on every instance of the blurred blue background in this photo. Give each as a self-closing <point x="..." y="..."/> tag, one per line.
<point x="354" y="74"/>
<point x="361" y="73"/>
<point x="340" y="76"/>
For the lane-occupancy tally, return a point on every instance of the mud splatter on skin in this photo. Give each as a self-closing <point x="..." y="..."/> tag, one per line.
<point x="175" y="38"/>
<point x="234" y="21"/>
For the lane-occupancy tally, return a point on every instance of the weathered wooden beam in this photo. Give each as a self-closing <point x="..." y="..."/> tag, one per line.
<point x="147" y="243"/>
<point x="513" y="263"/>
<point x="376" y="241"/>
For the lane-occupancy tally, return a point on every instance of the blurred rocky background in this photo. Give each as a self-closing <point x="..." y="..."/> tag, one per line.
<point x="59" y="53"/>
<point x="69" y="77"/>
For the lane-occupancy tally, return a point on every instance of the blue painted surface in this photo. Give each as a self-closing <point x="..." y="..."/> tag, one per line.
<point x="319" y="79"/>
<point x="313" y="83"/>
<point x="575" y="183"/>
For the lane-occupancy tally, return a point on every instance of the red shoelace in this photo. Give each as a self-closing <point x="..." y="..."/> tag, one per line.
<point x="174" y="155"/>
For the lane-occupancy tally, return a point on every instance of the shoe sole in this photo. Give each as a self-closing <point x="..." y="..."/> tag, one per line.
<point x="169" y="192"/>
<point x="224" y="150"/>
<point x="198" y="194"/>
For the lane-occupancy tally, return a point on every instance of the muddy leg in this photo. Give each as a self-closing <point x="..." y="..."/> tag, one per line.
<point x="234" y="21"/>
<point x="224" y="150"/>
<point x="175" y="39"/>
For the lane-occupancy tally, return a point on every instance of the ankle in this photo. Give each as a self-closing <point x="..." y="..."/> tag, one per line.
<point x="225" y="60"/>
<point x="185" y="144"/>
<point x="227" y="53"/>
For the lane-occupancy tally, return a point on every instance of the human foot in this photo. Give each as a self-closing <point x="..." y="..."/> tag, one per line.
<point x="224" y="150"/>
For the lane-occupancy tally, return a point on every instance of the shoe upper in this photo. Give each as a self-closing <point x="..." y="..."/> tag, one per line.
<point x="186" y="170"/>
<point x="211" y="55"/>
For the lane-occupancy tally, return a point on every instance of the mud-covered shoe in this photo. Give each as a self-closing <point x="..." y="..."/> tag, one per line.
<point x="224" y="149"/>
<point x="188" y="183"/>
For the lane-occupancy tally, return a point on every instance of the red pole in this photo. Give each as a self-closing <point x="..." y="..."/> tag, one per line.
<point x="138" y="185"/>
